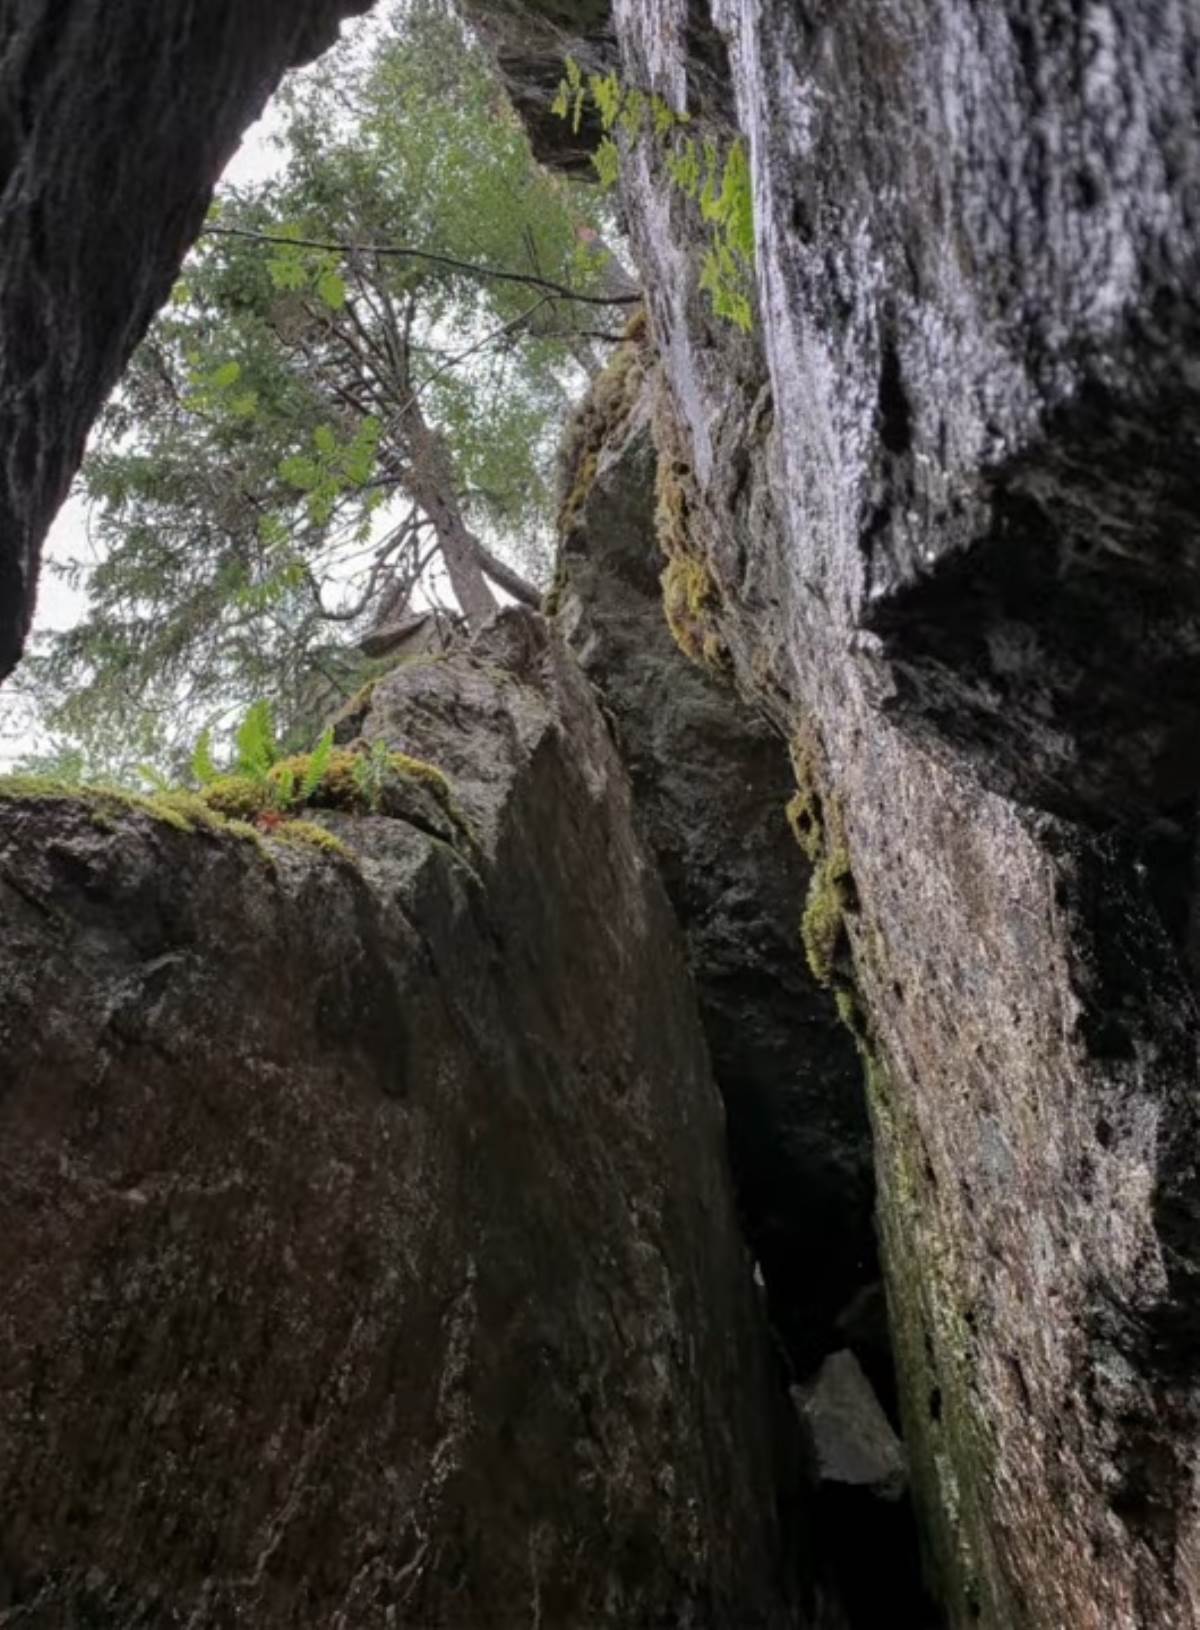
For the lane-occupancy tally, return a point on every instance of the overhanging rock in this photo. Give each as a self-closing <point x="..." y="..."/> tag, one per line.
<point x="115" y="123"/>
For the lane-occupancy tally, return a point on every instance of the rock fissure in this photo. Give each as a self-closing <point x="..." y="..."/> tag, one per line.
<point x="933" y="524"/>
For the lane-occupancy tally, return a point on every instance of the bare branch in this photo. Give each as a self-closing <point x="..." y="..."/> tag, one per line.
<point x="397" y="251"/>
<point x="504" y="576"/>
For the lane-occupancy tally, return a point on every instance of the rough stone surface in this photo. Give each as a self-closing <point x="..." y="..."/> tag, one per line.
<point x="947" y="496"/>
<point x="115" y="123"/>
<point x="368" y="1250"/>
<point x="710" y="784"/>
<point x="531" y="40"/>
<point x="853" y="1439"/>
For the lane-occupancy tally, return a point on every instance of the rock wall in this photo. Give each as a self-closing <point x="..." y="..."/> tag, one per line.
<point x="269" y="1129"/>
<point x="940" y="515"/>
<point x="368" y="1247"/>
<point x="115" y="123"/>
<point x="711" y="787"/>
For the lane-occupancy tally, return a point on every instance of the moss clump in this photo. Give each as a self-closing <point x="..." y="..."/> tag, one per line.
<point x="181" y="810"/>
<point x="600" y="421"/>
<point x="803" y="813"/>
<point x="246" y="798"/>
<point x="553" y="597"/>
<point x="430" y="777"/>
<point x="103" y="803"/>
<point x="571" y="510"/>
<point x="238" y="797"/>
<point x="691" y="597"/>
<point x="830" y="896"/>
<point x="308" y="835"/>
<point x="338" y="788"/>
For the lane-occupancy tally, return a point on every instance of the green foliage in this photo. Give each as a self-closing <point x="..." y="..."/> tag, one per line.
<point x="718" y="181"/>
<point x="608" y="97"/>
<point x="254" y="460"/>
<point x="307" y="834"/>
<point x="683" y="167"/>
<point x="318" y="765"/>
<point x="257" y="748"/>
<point x="371" y="771"/>
<point x="203" y="767"/>
<point x="607" y="162"/>
<point x="155" y="777"/>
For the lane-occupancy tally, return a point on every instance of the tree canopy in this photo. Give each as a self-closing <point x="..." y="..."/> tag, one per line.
<point x="351" y="398"/>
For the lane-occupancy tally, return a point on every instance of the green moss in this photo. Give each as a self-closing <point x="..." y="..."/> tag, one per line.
<point x="188" y="808"/>
<point x="427" y="774"/>
<point x="104" y="804"/>
<point x="803" y="813"/>
<point x="600" y="422"/>
<point x="181" y="810"/>
<point x="552" y="599"/>
<point x="830" y="895"/>
<point x="571" y="510"/>
<point x="338" y="787"/>
<point x="238" y="797"/>
<point x="243" y="798"/>
<point x="308" y="835"/>
<point x="690" y="603"/>
<point x="691" y="596"/>
<point x="248" y="834"/>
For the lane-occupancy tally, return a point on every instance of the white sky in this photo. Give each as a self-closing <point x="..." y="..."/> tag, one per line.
<point x="60" y="606"/>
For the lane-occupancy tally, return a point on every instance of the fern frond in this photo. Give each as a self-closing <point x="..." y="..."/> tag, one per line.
<point x="203" y="767"/>
<point x="256" y="746"/>
<point x="284" y="787"/>
<point x="155" y="777"/>
<point x="318" y="763"/>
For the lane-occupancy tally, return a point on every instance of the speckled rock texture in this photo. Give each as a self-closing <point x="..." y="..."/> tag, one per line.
<point x="115" y="122"/>
<point x="711" y="783"/>
<point x="947" y="500"/>
<point x="368" y="1249"/>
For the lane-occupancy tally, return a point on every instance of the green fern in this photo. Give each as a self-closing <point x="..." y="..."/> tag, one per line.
<point x="371" y="774"/>
<point x="283" y="788"/>
<point x="683" y="167"/>
<point x="318" y="763"/>
<point x="608" y="97"/>
<point x="607" y="161"/>
<point x="257" y="749"/>
<point x="203" y="767"/>
<point x="155" y="777"/>
<point x="719" y="182"/>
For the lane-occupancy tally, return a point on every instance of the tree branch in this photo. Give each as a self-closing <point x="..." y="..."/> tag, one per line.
<point x="504" y="576"/>
<point x="398" y="251"/>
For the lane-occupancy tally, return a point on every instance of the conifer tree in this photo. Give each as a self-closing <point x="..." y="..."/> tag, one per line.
<point x="354" y="390"/>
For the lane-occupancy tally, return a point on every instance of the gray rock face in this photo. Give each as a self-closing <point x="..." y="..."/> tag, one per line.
<point x="368" y="1248"/>
<point x="852" y="1437"/>
<point x="710" y="785"/>
<point x="947" y="502"/>
<point x="115" y="122"/>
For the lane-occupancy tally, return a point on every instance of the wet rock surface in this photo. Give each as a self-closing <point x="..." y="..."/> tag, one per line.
<point x="946" y="504"/>
<point x="368" y="1246"/>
